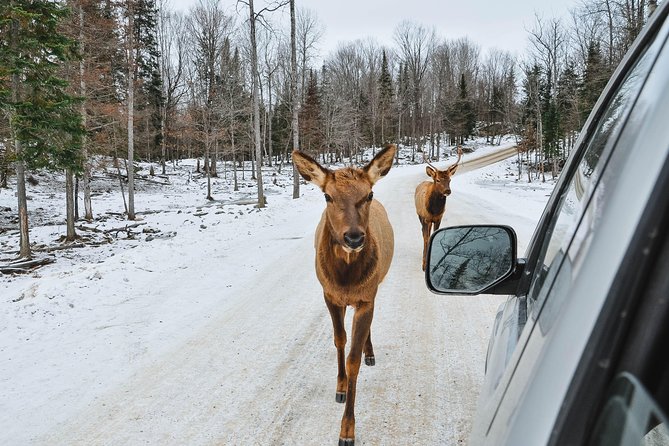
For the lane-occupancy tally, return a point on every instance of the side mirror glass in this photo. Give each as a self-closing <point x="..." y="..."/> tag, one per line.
<point x="470" y="259"/>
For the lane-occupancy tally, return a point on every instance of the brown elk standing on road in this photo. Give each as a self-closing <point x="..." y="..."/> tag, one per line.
<point x="354" y="247"/>
<point x="430" y="198"/>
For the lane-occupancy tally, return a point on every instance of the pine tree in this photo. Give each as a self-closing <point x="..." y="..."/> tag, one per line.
<point x="568" y="106"/>
<point x="149" y="98"/>
<point x="462" y="113"/>
<point x="595" y="77"/>
<point x="531" y="111"/>
<point x="385" y="99"/>
<point x="311" y="134"/>
<point x="550" y="121"/>
<point x="235" y="104"/>
<point x="45" y="123"/>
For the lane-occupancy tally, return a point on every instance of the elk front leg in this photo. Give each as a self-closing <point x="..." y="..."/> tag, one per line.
<point x="337" y="314"/>
<point x="427" y="228"/>
<point x="437" y="223"/>
<point x="362" y="320"/>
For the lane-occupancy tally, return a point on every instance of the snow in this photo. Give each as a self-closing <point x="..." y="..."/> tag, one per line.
<point x="208" y="326"/>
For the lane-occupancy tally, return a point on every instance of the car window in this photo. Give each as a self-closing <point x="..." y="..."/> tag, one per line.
<point x="576" y="195"/>
<point x="630" y="417"/>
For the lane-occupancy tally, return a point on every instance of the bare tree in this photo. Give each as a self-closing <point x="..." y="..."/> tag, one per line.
<point x="130" y="48"/>
<point x="295" y="100"/>
<point x="172" y="49"/>
<point x="416" y="46"/>
<point x="343" y="77"/>
<point x="309" y="32"/>
<point x="254" y="17"/>
<point x="548" y="40"/>
<point x="208" y="27"/>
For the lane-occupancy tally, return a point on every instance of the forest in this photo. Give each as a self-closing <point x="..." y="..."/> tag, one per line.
<point x="238" y="84"/>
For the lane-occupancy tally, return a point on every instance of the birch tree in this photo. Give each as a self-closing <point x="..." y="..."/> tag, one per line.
<point x="254" y="18"/>
<point x="295" y="101"/>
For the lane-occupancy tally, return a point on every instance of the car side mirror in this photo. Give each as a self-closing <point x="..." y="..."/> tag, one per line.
<point x="471" y="260"/>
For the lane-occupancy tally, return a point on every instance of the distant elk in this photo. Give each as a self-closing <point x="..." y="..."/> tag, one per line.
<point x="354" y="247"/>
<point x="430" y="198"/>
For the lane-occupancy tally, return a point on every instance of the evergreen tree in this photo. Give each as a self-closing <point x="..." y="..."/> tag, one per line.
<point x="235" y="104"/>
<point x="462" y="114"/>
<point x="530" y="105"/>
<point x="385" y="99"/>
<point x="281" y="130"/>
<point x="568" y="104"/>
<point x="403" y="101"/>
<point x="311" y="134"/>
<point x="595" y="77"/>
<point x="149" y="100"/>
<point x="44" y="120"/>
<point x="550" y="121"/>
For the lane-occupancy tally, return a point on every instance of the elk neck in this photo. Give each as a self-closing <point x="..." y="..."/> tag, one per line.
<point x="436" y="202"/>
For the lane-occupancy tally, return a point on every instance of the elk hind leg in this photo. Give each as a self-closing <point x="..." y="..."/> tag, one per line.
<point x="337" y="315"/>
<point x="362" y="321"/>
<point x="369" y="350"/>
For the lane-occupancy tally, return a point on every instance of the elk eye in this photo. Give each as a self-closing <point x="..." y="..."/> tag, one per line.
<point x="370" y="196"/>
<point x="328" y="198"/>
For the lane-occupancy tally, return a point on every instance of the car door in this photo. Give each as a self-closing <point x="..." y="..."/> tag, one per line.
<point x="560" y="262"/>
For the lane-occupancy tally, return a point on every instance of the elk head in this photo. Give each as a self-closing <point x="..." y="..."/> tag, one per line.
<point x="348" y="194"/>
<point x="442" y="178"/>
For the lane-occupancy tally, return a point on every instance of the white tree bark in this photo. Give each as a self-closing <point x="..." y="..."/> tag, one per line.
<point x="131" y="112"/>
<point x="256" y="106"/>
<point x="294" y="99"/>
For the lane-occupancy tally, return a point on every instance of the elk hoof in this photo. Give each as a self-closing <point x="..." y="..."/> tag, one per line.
<point x="346" y="442"/>
<point x="369" y="360"/>
<point x="340" y="397"/>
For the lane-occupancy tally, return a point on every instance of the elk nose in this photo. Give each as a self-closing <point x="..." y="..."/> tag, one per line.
<point x="354" y="239"/>
<point x="448" y="192"/>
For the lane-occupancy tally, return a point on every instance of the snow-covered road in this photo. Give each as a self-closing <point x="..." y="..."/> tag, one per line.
<point x="256" y="365"/>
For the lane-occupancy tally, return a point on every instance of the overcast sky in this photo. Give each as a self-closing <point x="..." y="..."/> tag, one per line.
<point x="501" y="24"/>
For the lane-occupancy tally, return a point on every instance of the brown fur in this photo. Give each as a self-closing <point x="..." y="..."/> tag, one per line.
<point x="430" y="200"/>
<point x="351" y="277"/>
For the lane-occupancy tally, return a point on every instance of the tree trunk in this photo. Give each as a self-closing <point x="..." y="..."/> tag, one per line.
<point x="207" y="155"/>
<point x="120" y="180"/>
<point x="24" y="243"/>
<point x="69" y="204"/>
<point x="76" y="198"/>
<point x="256" y="106"/>
<point x="24" y="230"/>
<point x="88" y="207"/>
<point x="294" y="124"/>
<point x="131" y="111"/>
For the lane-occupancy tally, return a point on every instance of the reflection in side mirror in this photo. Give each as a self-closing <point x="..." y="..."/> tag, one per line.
<point x="470" y="259"/>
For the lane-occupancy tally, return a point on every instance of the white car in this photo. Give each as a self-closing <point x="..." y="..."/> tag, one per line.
<point x="579" y="353"/>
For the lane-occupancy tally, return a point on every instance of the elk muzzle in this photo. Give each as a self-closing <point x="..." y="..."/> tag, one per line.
<point x="354" y="240"/>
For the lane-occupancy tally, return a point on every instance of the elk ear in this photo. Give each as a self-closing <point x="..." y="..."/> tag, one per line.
<point x="310" y="169"/>
<point x="381" y="164"/>
<point x="430" y="171"/>
<point x="452" y="169"/>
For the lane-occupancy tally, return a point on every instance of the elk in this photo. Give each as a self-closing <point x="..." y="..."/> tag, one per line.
<point x="430" y="199"/>
<point x="354" y="247"/>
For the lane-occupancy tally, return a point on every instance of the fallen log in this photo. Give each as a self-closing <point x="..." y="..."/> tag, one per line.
<point x="25" y="266"/>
